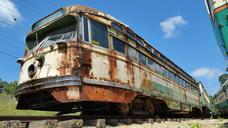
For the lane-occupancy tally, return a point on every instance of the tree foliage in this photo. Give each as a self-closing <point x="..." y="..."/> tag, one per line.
<point x="223" y="78"/>
<point x="9" y="88"/>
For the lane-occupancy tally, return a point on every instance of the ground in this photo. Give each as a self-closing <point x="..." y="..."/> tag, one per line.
<point x="8" y="105"/>
<point x="206" y="123"/>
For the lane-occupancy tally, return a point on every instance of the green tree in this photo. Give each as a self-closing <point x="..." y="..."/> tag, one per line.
<point x="213" y="107"/>
<point x="11" y="88"/>
<point x="223" y="78"/>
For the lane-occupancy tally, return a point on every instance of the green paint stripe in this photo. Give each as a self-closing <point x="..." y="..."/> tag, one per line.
<point x="171" y="94"/>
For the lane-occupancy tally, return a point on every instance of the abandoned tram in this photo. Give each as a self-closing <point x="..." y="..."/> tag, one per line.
<point x="218" y="13"/>
<point x="81" y="59"/>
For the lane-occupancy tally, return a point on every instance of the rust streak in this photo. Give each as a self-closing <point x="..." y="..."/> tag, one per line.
<point x="112" y="67"/>
<point x="85" y="61"/>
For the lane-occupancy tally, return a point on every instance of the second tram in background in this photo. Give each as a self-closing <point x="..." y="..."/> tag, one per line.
<point x="218" y="12"/>
<point x="81" y="59"/>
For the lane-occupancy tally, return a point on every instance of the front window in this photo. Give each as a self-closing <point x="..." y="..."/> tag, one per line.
<point x="63" y="29"/>
<point x="64" y="34"/>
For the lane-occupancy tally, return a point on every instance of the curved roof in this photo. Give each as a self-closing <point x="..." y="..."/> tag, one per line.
<point x="81" y="8"/>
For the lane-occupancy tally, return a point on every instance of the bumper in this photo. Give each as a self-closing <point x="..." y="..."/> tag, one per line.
<point x="46" y="83"/>
<point x="58" y="93"/>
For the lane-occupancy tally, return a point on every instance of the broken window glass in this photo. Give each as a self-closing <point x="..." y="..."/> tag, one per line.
<point x="55" y="37"/>
<point x="69" y="35"/>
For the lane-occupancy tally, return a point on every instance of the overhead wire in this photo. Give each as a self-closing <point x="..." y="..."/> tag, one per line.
<point x="12" y="40"/>
<point x="2" y="36"/>
<point x="8" y="54"/>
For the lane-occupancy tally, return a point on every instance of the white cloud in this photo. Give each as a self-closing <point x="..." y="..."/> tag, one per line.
<point x="170" y="25"/>
<point x="206" y="72"/>
<point x="9" y="13"/>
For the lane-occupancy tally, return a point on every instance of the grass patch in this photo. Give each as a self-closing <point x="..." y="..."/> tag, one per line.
<point x="220" y="119"/>
<point x="195" y="125"/>
<point x="8" y="107"/>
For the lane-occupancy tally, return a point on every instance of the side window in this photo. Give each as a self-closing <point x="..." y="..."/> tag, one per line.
<point x="142" y="58"/>
<point x="85" y="29"/>
<point x="99" y="34"/>
<point x="155" y="52"/>
<point x="184" y="83"/>
<point x="163" y="70"/>
<point x="118" y="45"/>
<point x="117" y="27"/>
<point x="172" y="76"/>
<point x="150" y="62"/>
<point x="158" y="68"/>
<point x="169" y="74"/>
<point x="132" y="53"/>
<point x="166" y="73"/>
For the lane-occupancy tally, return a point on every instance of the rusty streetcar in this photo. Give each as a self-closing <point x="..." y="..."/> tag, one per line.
<point x="81" y="59"/>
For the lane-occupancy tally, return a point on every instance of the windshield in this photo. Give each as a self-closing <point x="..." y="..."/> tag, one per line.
<point x="64" y="34"/>
<point x="62" y="30"/>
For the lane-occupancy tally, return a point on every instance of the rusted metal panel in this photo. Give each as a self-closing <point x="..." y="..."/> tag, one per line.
<point x="57" y="63"/>
<point x="49" y="68"/>
<point x="66" y="94"/>
<point x="137" y="77"/>
<point x="100" y="66"/>
<point x="106" y="83"/>
<point x="122" y="71"/>
<point x="113" y="68"/>
<point x="106" y="94"/>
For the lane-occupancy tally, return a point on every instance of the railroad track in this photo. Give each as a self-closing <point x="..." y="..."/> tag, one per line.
<point x="77" y="121"/>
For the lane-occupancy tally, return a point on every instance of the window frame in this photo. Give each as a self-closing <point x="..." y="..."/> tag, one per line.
<point x="107" y="34"/>
<point x="89" y="29"/>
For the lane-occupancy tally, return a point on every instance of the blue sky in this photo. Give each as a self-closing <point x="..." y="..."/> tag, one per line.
<point x="180" y="29"/>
